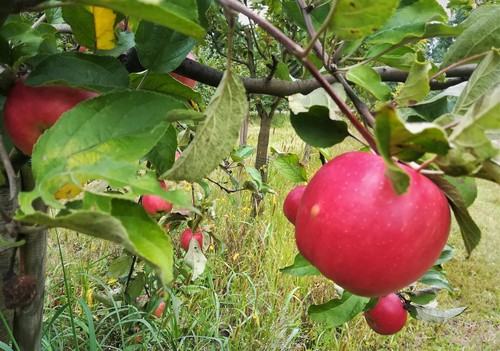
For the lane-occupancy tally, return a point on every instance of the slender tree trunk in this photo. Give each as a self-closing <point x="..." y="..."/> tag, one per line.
<point x="5" y="258"/>
<point x="28" y="320"/>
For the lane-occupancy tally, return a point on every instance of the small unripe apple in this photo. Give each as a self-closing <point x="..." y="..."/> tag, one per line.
<point x="188" y="234"/>
<point x="388" y="316"/>
<point x="153" y="204"/>
<point x="361" y="234"/>
<point x="292" y="202"/>
<point x="184" y="80"/>
<point x="29" y="111"/>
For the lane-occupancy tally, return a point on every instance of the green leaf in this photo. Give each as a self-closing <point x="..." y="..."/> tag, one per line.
<point x="318" y="14"/>
<point x="195" y="259"/>
<point x="400" y="57"/>
<point x="98" y="73"/>
<point x="424" y="296"/>
<point x="367" y="78"/>
<point x="102" y="138"/>
<point x="446" y="255"/>
<point x="316" y="127"/>
<point x="480" y="35"/>
<point x="436" y="278"/>
<point x="127" y="224"/>
<point x="136" y="285"/>
<point x="120" y="266"/>
<point x="433" y="315"/>
<point x="125" y="41"/>
<point x="466" y="186"/>
<point x="440" y="104"/>
<point x="242" y="153"/>
<point x="282" y="71"/>
<point x="485" y="77"/>
<point x="300" y="267"/>
<point x="408" y="141"/>
<point x="417" y="85"/>
<point x="216" y="135"/>
<point x="338" y="311"/>
<point x="354" y="19"/>
<point x="179" y="15"/>
<point x="300" y="103"/>
<point x="472" y="140"/>
<point x="162" y="156"/>
<point x="81" y="21"/>
<point x="26" y="43"/>
<point x="471" y="234"/>
<point x="413" y="19"/>
<point x="163" y="83"/>
<point x="161" y="49"/>
<point x="8" y="244"/>
<point x="288" y="166"/>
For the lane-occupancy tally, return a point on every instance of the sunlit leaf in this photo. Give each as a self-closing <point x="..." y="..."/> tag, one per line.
<point x="433" y="315"/>
<point x="289" y="166"/>
<point x="370" y="80"/>
<point x="300" y="267"/>
<point x="104" y="26"/>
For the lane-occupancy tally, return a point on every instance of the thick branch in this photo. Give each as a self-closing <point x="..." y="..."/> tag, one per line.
<point x="212" y="77"/>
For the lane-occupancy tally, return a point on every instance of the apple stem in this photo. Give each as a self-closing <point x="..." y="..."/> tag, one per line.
<point x="426" y="164"/>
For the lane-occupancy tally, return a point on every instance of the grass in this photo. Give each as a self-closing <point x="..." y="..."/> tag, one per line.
<point x="243" y="302"/>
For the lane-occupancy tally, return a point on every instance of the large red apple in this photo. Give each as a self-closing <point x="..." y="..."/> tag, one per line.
<point x="184" y="80"/>
<point x="29" y="111"/>
<point x="358" y="232"/>
<point x="188" y="234"/>
<point x="153" y="203"/>
<point x="292" y="202"/>
<point x="388" y="316"/>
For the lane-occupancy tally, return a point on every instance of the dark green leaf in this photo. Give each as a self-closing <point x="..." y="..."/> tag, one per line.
<point x="440" y="104"/>
<point x="424" y="296"/>
<point x="163" y="83"/>
<point x="161" y="49"/>
<point x="316" y="127"/>
<point x="136" y="285"/>
<point x="466" y="186"/>
<point x="300" y="267"/>
<point x="98" y="73"/>
<point x="338" y="311"/>
<point x="162" y="156"/>
<point x="471" y="234"/>
<point x="81" y="21"/>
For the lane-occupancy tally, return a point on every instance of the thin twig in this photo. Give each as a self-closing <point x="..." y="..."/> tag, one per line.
<point x="11" y="175"/>
<point x="459" y="63"/>
<point x="323" y="28"/>
<point x="358" y="103"/>
<point x="229" y="191"/>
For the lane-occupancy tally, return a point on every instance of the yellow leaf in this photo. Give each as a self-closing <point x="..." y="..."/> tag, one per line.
<point x="104" y="25"/>
<point x="67" y="191"/>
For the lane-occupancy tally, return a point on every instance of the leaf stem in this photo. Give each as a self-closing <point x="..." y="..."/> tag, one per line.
<point x="459" y="63"/>
<point x="11" y="176"/>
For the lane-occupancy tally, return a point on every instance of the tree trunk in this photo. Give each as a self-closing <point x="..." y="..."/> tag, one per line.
<point x="5" y="258"/>
<point x="244" y="128"/>
<point x="28" y="320"/>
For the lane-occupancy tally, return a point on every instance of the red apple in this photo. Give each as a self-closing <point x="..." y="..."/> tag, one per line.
<point x="388" y="316"/>
<point x="292" y="202"/>
<point x="158" y="312"/>
<point x="29" y="111"/>
<point x="360" y="233"/>
<point x="187" y="235"/>
<point x="184" y="80"/>
<point x="153" y="203"/>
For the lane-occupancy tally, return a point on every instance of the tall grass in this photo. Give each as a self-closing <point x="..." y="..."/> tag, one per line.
<point x="243" y="302"/>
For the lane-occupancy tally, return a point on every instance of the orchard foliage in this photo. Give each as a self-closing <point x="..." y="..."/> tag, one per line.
<point x="114" y="148"/>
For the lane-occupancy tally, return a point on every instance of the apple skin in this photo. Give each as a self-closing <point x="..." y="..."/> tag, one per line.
<point x="359" y="233"/>
<point x="388" y="316"/>
<point x="158" y="312"/>
<point x="188" y="234"/>
<point x="184" y="80"/>
<point x="29" y="111"/>
<point x="292" y="202"/>
<point x="153" y="203"/>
